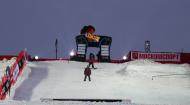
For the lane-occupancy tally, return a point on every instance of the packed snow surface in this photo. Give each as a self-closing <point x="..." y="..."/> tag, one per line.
<point x="141" y="81"/>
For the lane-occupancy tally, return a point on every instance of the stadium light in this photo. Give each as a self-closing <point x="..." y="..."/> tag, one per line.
<point x="124" y="57"/>
<point x="36" y="57"/>
<point x="72" y="53"/>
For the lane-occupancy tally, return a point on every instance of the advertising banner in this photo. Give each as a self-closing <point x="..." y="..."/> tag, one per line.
<point x="92" y="38"/>
<point x="156" y="56"/>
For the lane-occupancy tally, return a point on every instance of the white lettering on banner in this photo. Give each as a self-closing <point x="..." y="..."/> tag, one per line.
<point x="81" y="48"/>
<point x="79" y="52"/>
<point x="81" y="45"/>
<point x="104" y="54"/>
<point x="107" y="49"/>
<point x="156" y="56"/>
<point x="15" y="73"/>
<point x="104" y="47"/>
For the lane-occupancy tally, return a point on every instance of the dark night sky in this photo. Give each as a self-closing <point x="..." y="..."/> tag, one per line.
<point x="35" y="24"/>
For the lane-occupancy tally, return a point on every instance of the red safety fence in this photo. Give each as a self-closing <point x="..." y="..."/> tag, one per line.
<point x="96" y="61"/>
<point x="8" y="57"/>
<point x="12" y="74"/>
<point x="162" y="57"/>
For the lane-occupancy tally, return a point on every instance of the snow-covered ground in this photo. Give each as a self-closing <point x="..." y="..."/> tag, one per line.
<point x="142" y="82"/>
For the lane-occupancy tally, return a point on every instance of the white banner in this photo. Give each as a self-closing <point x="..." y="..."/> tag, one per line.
<point x="156" y="56"/>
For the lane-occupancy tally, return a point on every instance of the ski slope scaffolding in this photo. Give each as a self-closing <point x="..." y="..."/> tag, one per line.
<point x="141" y="81"/>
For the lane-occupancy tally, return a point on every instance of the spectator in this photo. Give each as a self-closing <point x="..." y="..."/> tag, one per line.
<point x="87" y="73"/>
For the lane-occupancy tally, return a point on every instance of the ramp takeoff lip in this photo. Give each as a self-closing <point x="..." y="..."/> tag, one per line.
<point x="90" y="100"/>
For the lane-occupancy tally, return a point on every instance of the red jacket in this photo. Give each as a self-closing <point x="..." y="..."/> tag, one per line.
<point x="91" y="61"/>
<point x="87" y="71"/>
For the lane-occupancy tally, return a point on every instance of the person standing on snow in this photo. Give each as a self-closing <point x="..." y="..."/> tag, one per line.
<point x="87" y="73"/>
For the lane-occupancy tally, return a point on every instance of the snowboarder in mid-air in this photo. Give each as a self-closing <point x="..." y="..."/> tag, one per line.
<point x="87" y="73"/>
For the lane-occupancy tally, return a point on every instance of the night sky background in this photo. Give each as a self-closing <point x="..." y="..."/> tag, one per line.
<point x="35" y="25"/>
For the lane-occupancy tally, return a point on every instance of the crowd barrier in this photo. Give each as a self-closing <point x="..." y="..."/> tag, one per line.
<point x="162" y="57"/>
<point x="8" y="57"/>
<point x="11" y="74"/>
<point x="96" y="61"/>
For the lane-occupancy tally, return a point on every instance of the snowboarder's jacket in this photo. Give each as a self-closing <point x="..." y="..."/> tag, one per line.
<point x="92" y="58"/>
<point x="87" y="71"/>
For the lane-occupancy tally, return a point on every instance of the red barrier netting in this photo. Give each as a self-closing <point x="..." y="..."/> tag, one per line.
<point x="10" y="78"/>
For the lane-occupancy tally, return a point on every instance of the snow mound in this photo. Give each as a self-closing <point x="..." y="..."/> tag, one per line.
<point x="131" y="80"/>
<point x="148" y="68"/>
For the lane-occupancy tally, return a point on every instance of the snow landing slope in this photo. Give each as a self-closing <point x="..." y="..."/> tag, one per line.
<point x="141" y="81"/>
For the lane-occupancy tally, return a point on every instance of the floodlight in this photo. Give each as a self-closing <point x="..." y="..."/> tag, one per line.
<point x="124" y="57"/>
<point x="36" y="57"/>
<point x="72" y="53"/>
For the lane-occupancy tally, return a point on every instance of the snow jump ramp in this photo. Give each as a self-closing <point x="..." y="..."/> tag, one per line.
<point x="89" y="100"/>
